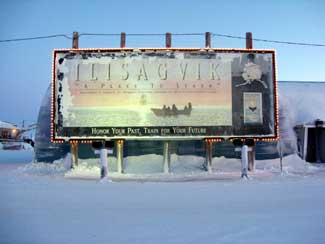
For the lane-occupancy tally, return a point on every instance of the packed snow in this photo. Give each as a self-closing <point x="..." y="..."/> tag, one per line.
<point x="49" y="203"/>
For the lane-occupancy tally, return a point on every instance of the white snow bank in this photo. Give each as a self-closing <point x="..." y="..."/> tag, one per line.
<point x="290" y="164"/>
<point x="57" y="168"/>
<point x="150" y="167"/>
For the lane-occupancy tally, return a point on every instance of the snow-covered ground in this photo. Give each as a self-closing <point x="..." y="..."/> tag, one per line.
<point x="43" y="203"/>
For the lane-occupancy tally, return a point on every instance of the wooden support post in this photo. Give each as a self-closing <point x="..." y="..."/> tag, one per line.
<point x="166" y="157"/>
<point x="74" y="145"/>
<point x="208" y="39"/>
<point x="249" y="40"/>
<point x="251" y="150"/>
<point x="120" y="156"/>
<point x="75" y="40"/>
<point x="168" y="40"/>
<point x="208" y="155"/>
<point x="74" y="152"/>
<point x="123" y="40"/>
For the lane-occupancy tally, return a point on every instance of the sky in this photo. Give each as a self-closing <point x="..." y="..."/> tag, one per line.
<point x="26" y="66"/>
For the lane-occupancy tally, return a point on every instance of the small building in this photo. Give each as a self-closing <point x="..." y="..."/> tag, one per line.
<point x="311" y="141"/>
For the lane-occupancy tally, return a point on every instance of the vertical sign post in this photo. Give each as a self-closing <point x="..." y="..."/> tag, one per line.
<point x="123" y="39"/>
<point x="74" y="145"/>
<point x="166" y="157"/>
<point x="75" y="40"/>
<point x="120" y="156"/>
<point x="120" y="143"/>
<point x="249" y="40"/>
<point x="166" y="149"/>
<point x="168" y="40"/>
<point x="208" y="155"/>
<point x="208" y="39"/>
<point x="208" y="143"/>
<point x="74" y="152"/>
<point x="251" y="152"/>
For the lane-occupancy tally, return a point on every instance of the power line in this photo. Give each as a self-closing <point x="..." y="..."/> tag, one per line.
<point x="290" y="43"/>
<point x="163" y="34"/>
<point x="202" y="34"/>
<point x="36" y="38"/>
<point x="141" y="34"/>
<point x="272" y="41"/>
<point x="118" y="34"/>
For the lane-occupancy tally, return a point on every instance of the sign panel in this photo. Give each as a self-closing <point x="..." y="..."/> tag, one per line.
<point x="159" y="93"/>
<point x="253" y="108"/>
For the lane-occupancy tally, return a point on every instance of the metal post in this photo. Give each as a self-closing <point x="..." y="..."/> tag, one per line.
<point x="119" y="152"/>
<point x="168" y="40"/>
<point x="251" y="158"/>
<point x="208" y="39"/>
<point x="123" y="39"/>
<point x="166" y="155"/>
<point x="208" y="155"/>
<point x="75" y="40"/>
<point x="280" y="154"/>
<point x="249" y="40"/>
<point x="103" y="163"/>
<point x="244" y="159"/>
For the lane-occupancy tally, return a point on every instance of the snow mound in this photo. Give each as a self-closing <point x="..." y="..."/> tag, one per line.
<point x="183" y="168"/>
<point x="57" y="168"/>
<point x="85" y="169"/>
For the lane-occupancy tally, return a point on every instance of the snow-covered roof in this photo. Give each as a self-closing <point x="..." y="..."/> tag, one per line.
<point x="303" y="101"/>
<point x="7" y="125"/>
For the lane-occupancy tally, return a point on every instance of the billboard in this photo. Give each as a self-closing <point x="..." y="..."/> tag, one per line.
<point x="163" y="93"/>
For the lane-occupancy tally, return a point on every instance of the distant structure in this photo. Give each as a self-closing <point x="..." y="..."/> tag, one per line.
<point x="11" y="136"/>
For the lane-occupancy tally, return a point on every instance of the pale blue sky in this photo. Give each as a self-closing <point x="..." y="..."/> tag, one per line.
<point x="26" y="66"/>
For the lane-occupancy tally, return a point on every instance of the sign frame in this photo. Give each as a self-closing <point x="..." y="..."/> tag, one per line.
<point x="257" y="136"/>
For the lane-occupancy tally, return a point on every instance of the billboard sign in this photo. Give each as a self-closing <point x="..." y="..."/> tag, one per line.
<point x="163" y="93"/>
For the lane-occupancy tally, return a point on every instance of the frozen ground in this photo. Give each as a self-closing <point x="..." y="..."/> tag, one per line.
<point x="39" y="205"/>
